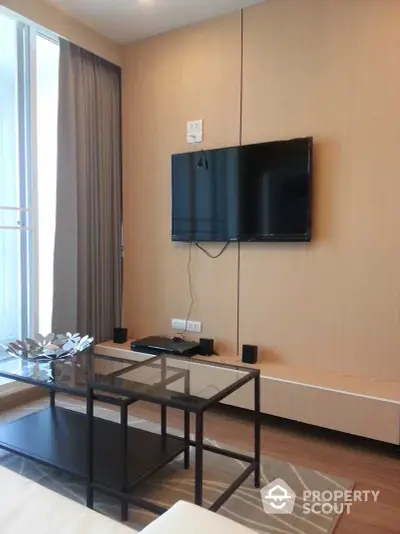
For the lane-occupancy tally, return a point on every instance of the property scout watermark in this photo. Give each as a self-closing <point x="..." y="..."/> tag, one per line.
<point x="279" y="498"/>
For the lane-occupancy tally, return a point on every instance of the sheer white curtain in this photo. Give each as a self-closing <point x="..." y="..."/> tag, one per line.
<point x="47" y="62"/>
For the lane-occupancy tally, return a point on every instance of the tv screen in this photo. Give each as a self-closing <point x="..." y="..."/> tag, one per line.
<point x="259" y="192"/>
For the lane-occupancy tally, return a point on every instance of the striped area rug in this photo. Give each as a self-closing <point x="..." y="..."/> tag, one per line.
<point x="173" y="483"/>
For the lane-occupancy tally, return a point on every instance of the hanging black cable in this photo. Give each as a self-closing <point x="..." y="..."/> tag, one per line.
<point x="217" y="255"/>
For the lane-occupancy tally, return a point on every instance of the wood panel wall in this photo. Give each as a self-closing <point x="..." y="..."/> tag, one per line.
<point x="187" y="74"/>
<point x="325" y="68"/>
<point x="329" y="69"/>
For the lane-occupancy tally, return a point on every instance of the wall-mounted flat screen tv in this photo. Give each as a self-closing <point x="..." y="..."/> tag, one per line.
<point x="259" y="192"/>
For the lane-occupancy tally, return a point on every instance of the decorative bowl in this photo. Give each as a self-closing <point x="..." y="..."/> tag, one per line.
<point x="49" y="348"/>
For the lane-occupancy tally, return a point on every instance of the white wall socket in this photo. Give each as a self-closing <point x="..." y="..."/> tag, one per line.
<point x="194" y="131"/>
<point x="193" y="326"/>
<point x="178" y="324"/>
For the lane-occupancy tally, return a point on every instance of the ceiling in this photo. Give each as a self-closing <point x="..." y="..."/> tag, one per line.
<point x="125" y="21"/>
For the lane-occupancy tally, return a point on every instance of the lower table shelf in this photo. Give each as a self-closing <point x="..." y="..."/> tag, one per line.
<point x="57" y="437"/>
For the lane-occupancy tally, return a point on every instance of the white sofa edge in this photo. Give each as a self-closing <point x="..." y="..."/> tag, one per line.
<point x="26" y="506"/>
<point x="185" y="517"/>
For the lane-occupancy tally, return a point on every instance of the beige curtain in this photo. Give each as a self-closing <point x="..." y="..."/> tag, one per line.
<point x="87" y="257"/>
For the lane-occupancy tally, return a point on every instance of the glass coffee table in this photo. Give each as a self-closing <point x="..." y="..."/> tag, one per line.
<point x="190" y="385"/>
<point x="58" y="437"/>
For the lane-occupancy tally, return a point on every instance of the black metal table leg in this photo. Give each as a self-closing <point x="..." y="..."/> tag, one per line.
<point x="52" y="396"/>
<point x="124" y="460"/>
<point x="198" y="477"/>
<point x="90" y="448"/>
<point x="257" y="437"/>
<point x="163" y="424"/>
<point x="163" y="408"/>
<point x="186" y="460"/>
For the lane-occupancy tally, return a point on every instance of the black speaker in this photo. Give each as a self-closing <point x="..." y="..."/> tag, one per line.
<point x="206" y="347"/>
<point x="249" y="353"/>
<point x="120" y="335"/>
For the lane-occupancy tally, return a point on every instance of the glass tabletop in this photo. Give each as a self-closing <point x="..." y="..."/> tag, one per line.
<point x="175" y="381"/>
<point x="70" y="375"/>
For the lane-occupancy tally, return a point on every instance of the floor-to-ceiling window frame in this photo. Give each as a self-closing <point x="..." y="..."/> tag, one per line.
<point x="28" y="167"/>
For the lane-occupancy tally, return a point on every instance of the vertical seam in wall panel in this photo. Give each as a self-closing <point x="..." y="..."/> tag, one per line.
<point x="241" y="81"/>
<point x="240" y="143"/>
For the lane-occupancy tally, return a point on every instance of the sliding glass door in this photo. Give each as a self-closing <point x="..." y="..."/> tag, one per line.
<point x="16" y="261"/>
<point x="28" y="163"/>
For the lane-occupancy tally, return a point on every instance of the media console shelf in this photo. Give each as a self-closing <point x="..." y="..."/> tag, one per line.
<point x="356" y="405"/>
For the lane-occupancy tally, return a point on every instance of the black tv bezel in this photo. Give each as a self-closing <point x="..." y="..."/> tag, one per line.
<point x="272" y="238"/>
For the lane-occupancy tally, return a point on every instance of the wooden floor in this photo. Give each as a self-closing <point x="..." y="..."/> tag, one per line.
<point x="371" y="467"/>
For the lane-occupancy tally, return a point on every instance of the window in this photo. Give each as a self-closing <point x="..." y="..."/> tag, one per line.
<point x="28" y="161"/>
